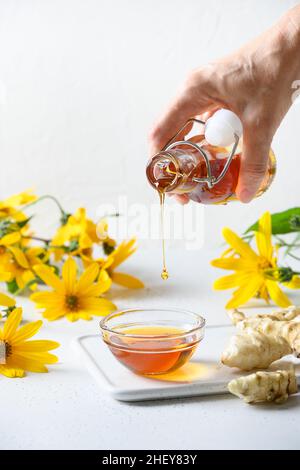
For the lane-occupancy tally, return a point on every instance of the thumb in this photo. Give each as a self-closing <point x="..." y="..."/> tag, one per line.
<point x="254" y="163"/>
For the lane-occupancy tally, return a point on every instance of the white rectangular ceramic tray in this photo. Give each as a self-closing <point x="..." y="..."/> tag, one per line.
<point x="203" y="375"/>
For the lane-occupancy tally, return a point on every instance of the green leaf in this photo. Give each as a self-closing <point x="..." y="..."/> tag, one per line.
<point x="5" y="225"/>
<point x="12" y="286"/>
<point x="74" y="245"/>
<point x="24" y="222"/>
<point x="64" y="218"/>
<point x="282" y="222"/>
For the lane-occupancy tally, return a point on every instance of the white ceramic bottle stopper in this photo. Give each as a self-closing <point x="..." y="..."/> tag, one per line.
<point x="221" y="128"/>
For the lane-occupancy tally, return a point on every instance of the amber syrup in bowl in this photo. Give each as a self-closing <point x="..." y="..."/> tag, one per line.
<point x="153" y="341"/>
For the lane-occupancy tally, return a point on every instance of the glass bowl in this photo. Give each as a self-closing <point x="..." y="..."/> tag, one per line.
<point x="152" y="341"/>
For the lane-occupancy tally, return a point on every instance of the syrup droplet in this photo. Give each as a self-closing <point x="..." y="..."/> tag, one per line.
<point x="164" y="274"/>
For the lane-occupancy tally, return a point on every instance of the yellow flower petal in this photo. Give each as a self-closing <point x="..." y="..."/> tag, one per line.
<point x="245" y="292"/>
<point x="122" y="252"/>
<point x="42" y="357"/>
<point x="228" y="252"/>
<point x="239" y="245"/>
<point x="102" y="285"/>
<point x="126" y="280"/>
<point x="80" y="315"/>
<point x="19" y="257"/>
<point x="263" y="236"/>
<point x="293" y="284"/>
<point x="5" y="277"/>
<point x="36" y="346"/>
<point x="19" y="280"/>
<point x="11" y="372"/>
<point x="12" y="323"/>
<point x="47" y="275"/>
<point x="54" y="313"/>
<point x="95" y="290"/>
<point x="19" y="199"/>
<point x="10" y="239"/>
<point x="228" y="282"/>
<point x="28" y="276"/>
<point x="98" y="306"/>
<point x="276" y="294"/>
<point x="234" y="264"/>
<point x="27" y="364"/>
<point x="72" y="317"/>
<point x="27" y="331"/>
<point x="47" y="299"/>
<point x="85" y="241"/>
<point x="6" y="301"/>
<point x="69" y="272"/>
<point x="263" y="293"/>
<point x="88" y="277"/>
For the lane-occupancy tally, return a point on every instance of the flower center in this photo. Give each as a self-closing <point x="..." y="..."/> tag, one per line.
<point x="264" y="263"/>
<point x="8" y="349"/>
<point x="72" y="302"/>
<point x="2" y="250"/>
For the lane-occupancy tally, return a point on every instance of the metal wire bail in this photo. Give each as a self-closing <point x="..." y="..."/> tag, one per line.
<point x="210" y="180"/>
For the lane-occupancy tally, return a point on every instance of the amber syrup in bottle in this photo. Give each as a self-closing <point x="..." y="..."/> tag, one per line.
<point x="175" y="171"/>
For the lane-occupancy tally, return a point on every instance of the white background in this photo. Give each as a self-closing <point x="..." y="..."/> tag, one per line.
<point x="83" y="81"/>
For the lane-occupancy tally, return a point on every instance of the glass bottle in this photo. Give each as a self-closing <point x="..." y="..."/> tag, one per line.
<point x="205" y="167"/>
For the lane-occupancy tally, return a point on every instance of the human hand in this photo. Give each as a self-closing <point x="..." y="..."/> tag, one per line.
<point x="255" y="82"/>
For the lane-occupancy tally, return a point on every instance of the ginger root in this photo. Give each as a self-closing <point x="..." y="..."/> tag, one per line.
<point x="251" y="349"/>
<point x="286" y="314"/>
<point x="285" y="324"/>
<point x="265" y="386"/>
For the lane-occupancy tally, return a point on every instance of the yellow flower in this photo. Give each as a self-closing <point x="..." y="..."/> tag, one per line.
<point x="11" y="205"/>
<point x="80" y="230"/>
<point x="20" y="265"/>
<point x="8" y="302"/>
<point x="118" y="256"/>
<point x="109" y="264"/>
<point x="256" y="274"/>
<point x="71" y="297"/>
<point x="21" y="355"/>
<point x="5" y="243"/>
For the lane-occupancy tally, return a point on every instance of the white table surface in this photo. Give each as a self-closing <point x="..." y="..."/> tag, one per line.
<point x="66" y="410"/>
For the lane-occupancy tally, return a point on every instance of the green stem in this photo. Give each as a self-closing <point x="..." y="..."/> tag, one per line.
<point x="39" y="239"/>
<point x="116" y="214"/>
<point x="291" y="245"/>
<point x="293" y="256"/>
<point x="46" y="241"/>
<point x="283" y="243"/>
<point x="47" y="196"/>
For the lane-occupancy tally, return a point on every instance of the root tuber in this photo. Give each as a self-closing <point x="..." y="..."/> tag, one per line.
<point x="265" y="386"/>
<point x="251" y="349"/>
<point x="285" y="323"/>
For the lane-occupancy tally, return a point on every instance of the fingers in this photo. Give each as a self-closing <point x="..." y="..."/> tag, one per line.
<point x="190" y="102"/>
<point x="182" y="198"/>
<point x="253" y="164"/>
